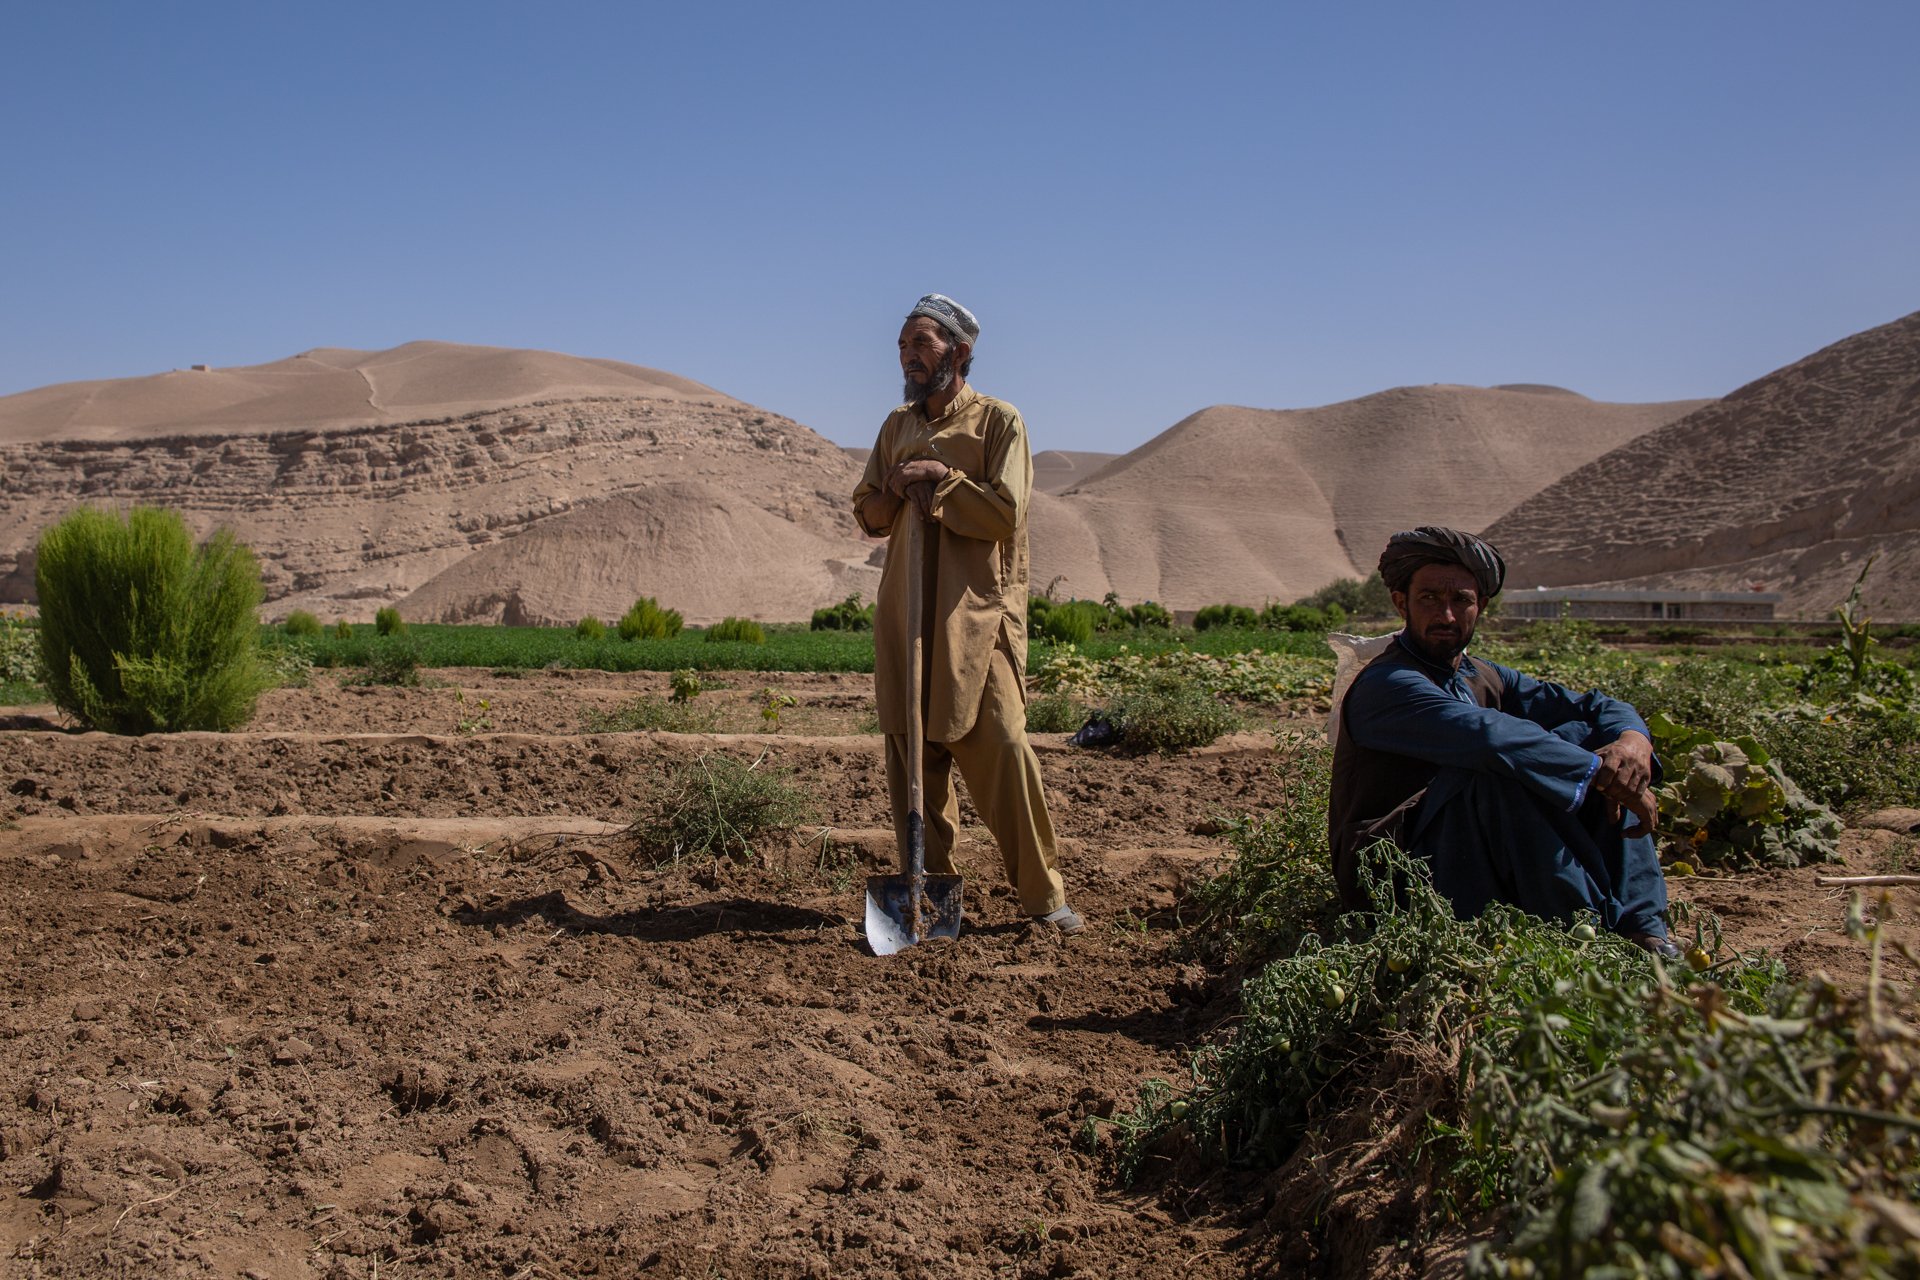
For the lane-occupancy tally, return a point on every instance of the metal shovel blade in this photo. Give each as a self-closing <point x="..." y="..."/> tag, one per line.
<point x="891" y="923"/>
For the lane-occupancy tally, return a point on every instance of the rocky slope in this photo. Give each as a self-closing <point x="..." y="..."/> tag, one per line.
<point x="1247" y="505"/>
<point x="348" y="517"/>
<point x="1787" y="484"/>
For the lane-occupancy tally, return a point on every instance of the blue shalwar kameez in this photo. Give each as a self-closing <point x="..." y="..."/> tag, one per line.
<point x="1487" y="774"/>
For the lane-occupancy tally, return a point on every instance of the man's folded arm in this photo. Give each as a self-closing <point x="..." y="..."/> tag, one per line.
<point x="1552" y="705"/>
<point x="1402" y="712"/>
<point x="989" y="507"/>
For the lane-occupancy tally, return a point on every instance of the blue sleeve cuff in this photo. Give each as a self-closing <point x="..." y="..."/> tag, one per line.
<point x="1580" y="792"/>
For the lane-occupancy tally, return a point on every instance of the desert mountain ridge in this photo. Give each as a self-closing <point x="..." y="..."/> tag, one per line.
<point x="328" y="387"/>
<point x="1788" y="484"/>
<point x="1242" y="504"/>
<point x="360" y="477"/>
<point x="491" y="484"/>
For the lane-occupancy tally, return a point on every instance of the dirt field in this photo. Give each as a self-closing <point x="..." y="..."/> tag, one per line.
<point x="356" y="993"/>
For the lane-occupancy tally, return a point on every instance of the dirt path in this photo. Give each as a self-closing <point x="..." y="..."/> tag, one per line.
<point x="331" y="998"/>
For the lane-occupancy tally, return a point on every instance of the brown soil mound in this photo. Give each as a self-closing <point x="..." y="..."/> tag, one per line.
<point x="1786" y="485"/>
<point x="673" y="541"/>
<point x="1248" y="505"/>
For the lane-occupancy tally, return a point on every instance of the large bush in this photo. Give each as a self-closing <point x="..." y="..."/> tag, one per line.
<point x="301" y="625"/>
<point x="1072" y="622"/>
<point x="848" y="615"/>
<point x="1355" y="597"/>
<point x="142" y="631"/>
<point x="1077" y="621"/>
<point x="646" y="620"/>
<point x="737" y="631"/>
<point x="1168" y="712"/>
<point x="1302" y="617"/>
<point x="1225" y="615"/>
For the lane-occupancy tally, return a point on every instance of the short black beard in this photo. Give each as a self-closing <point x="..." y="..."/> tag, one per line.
<point x="1446" y="659"/>
<point x="918" y="393"/>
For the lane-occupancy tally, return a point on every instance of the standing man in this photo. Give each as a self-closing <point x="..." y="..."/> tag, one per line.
<point x="1512" y="789"/>
<point x="962" y="460"/>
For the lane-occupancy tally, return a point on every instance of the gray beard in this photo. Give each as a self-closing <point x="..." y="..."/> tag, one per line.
<point x="918" y="393"/>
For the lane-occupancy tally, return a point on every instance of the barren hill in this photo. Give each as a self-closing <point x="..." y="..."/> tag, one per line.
<point x="357" y="476"/>
<point x="483" y="483"/>
<point x="673" y="540"/>
<point x="1236" y="504"/>
<point x="327" y="387"/>
<point x="1787" y="484"/>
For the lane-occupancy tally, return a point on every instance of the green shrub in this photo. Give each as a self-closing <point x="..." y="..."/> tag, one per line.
<point x="388" y="622"/>
<point x="1516" y="1058"/>
<point x="302" y="625"/>
<point x="343" y="630"/>
<point x="1354" y="597"/>
<point x="19" y="651"/>
<point x="140" y="630"/>
<point x="590" y="628"/>
<point x="736" y="631"/>
<point x="1279" y="886"/>
<point x="848" y="615"/>
<point x="650" y="714"/>
<point x="1301" y="617"/>
<point x="686" y="685"/>
<point x="1055" y="713"/>
<point x="288" y="665"/>
<point x="1073" y="622"/>
<point x="1168" y="712"/>
<point x="1719" y="1141"/>
<point x="1225" y="615"/>
<point x="646" y="620"/>
<point x="393" y="660"/>
<point x="716" y="807"/>
<point x="1149" y="614"/>
<point x="1730" y="804"/>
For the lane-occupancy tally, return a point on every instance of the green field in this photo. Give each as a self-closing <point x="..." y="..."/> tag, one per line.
<point x="789" y="647"/>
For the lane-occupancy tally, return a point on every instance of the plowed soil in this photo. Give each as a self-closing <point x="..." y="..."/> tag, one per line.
<point x="372" y="989"/>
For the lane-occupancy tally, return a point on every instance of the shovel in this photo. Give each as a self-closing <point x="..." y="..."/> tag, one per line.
<point x="907" y="909"/>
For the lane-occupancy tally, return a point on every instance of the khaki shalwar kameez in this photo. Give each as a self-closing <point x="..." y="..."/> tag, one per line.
<point x="975" y="645"/>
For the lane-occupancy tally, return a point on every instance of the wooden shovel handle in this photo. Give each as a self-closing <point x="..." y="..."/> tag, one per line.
<point x="911" y="547"/>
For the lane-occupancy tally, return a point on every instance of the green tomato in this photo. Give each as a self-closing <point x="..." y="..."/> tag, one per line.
<point x="1178" y="1110"/>
<point x="1584" y="932"/>
<point x="1334" y="996"/>
<point x="1398" y="964"/>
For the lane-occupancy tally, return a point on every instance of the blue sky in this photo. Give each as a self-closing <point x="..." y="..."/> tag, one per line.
<point x="1152" y="208"/>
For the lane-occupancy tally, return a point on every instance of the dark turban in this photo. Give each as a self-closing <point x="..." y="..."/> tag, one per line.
<point x="1409" y="551"/>
<point x="949" y="315"/>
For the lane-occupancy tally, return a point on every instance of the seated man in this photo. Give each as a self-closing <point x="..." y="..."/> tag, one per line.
<point x="1512" y="789"/>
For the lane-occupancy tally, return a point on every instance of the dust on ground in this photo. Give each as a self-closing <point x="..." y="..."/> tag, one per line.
<point x="357" y="993"/>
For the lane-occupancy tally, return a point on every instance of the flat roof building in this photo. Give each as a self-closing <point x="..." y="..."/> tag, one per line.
<point x="1600" y="605"/>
